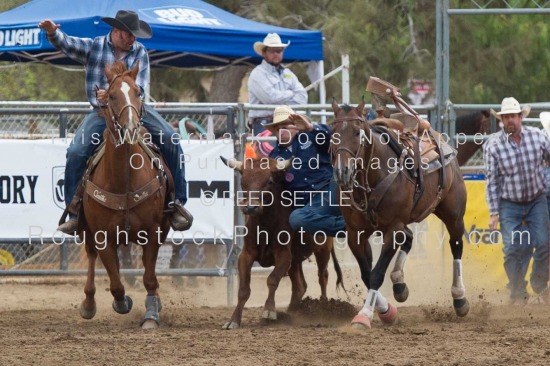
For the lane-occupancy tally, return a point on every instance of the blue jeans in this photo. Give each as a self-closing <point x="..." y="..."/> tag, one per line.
<point x="518" y="249"/>
<point x="321" y="213"/>
<point x="90" y="135"/>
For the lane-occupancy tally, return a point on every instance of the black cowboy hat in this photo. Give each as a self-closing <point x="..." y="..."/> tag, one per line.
<point x="129" y="21"/>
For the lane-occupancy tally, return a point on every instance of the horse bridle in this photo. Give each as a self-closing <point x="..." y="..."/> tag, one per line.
<point x="359" y="119"/>
<point x="362" y="182"/>
<point x="355" y="154"/>
<point x="115" y="117"/>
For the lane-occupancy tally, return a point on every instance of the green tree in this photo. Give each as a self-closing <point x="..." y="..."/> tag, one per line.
<point x="491" y="56"/>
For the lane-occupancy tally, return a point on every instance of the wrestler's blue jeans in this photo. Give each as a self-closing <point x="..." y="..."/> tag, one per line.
<point x="90" y="135"/>
<point x="321" y="213"/>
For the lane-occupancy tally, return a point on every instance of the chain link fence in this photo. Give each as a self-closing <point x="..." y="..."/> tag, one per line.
<point x="49" y="120"/>
<point x="40" y="122"/>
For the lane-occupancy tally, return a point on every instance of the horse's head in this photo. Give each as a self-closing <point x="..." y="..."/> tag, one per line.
<point x="473" y="123"/>
<point x="347" y="142"/>
<point x="258" y="177"/>
<point x="485" y="122"/>
<point x="125" y="106"/>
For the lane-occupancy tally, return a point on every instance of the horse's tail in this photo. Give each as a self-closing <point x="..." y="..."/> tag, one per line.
<point x="338" y="270"/>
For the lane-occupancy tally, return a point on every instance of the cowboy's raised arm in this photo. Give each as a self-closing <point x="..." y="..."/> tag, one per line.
<point x="74" y="47"/>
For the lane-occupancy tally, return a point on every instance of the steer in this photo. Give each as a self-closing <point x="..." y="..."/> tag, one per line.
<point x="261" y="183"/>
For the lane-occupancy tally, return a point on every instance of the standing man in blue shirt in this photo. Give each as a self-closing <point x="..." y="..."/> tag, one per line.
<point x="272" y="83"/>
<point x="119" y="45"/>
<point x="516" y="187"/>
<point x="310" y="176"/>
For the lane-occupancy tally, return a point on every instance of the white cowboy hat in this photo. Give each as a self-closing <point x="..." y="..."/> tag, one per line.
<point x="128" y="21"/>
<point x="271" y="40"/>
<point x="281" y="115"/>
<point x="511" y="105"/>
<point x="545" y="120"/>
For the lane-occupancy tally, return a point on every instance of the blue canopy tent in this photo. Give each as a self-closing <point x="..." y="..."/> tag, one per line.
<point x="186" y="33"/>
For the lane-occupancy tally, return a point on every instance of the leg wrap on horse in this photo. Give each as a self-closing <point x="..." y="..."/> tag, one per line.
<point x="151" y="309"/>
<point x="381" y="305"/>
<point x="397" y="275"/>
<point x="370" y="302"/>
<point x="457" y="290"/>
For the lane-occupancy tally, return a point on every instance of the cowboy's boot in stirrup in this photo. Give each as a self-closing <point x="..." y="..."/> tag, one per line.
<point x="69" y="227"/>
<point x="180" y="219"/>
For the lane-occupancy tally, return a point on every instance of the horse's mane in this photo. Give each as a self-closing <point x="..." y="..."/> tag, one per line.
<point x="346" y="107"/>
<point x="118" y="67"/>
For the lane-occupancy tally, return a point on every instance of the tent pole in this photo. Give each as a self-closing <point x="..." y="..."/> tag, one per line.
<point x="345" y="79"/>
<point x="322" y="90"/>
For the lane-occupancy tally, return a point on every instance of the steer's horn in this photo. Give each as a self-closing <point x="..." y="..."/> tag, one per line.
<point x="233" y="164"/>
<point x="283" y="164"/>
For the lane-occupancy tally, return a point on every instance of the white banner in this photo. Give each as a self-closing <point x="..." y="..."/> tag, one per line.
<point x="32" y="178"/>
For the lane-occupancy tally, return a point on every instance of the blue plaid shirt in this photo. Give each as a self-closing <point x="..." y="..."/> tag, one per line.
<point x="515" y="172"/>
<point x="95" y="53"/>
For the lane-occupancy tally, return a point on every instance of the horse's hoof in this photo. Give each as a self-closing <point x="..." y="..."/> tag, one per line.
<point x="87" y="313"/>
<point x="230" y="326"/>
<point x="360" y="321"/>
<point x="400" y="292"/>
<point x="124" y="306"/>
<point x="149" y="324"/>
<point x="390" y="316"/>
<point x="269" y="315"/>
<point x="462" y="307"/>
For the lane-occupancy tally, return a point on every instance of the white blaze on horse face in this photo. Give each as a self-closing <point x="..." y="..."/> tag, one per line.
<point x="125" y="88"/>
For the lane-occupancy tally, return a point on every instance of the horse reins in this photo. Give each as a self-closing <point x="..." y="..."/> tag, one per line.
<point x="371" y="196"/>
<point x="149" y="188"/>
<point x="115" y="117"/>
<point x="362" y="184"/>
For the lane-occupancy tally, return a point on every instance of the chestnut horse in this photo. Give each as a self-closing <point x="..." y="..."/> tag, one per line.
<point x="124" y="199"/>
<point x="383" y="199"/>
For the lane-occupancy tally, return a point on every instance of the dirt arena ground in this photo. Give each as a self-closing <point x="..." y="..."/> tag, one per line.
<point x="40" y="325"/>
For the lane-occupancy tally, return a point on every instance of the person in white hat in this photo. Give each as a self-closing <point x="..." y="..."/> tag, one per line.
<point x="271" y="82"/>
<point x="118" y="45"/>
<point x="515" y="191"/>
<point x="310" y="177"/>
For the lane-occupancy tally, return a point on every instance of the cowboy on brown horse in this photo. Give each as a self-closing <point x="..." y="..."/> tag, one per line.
<point x="96" y="54"/>
<point x="125" y="189"/>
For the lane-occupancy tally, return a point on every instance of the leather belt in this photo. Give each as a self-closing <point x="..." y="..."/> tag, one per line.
<point x="525" y="202"/>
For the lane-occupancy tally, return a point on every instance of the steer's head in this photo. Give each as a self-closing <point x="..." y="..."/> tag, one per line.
<point x="260" y="182"/>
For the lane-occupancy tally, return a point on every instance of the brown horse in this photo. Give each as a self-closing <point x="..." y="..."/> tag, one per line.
<point x="270" y="240"/>
<point x="124" y="199"/>
<point x="382" y="198"/>
<point x="470" y="124"/>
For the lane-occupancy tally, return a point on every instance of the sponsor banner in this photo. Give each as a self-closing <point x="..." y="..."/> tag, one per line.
<point x="184" y="16"/>
<point x="32" y="189"/>
<point x="483" y="255"/>
<point x="431" y="260"/>
<point x="12" y="39"/>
